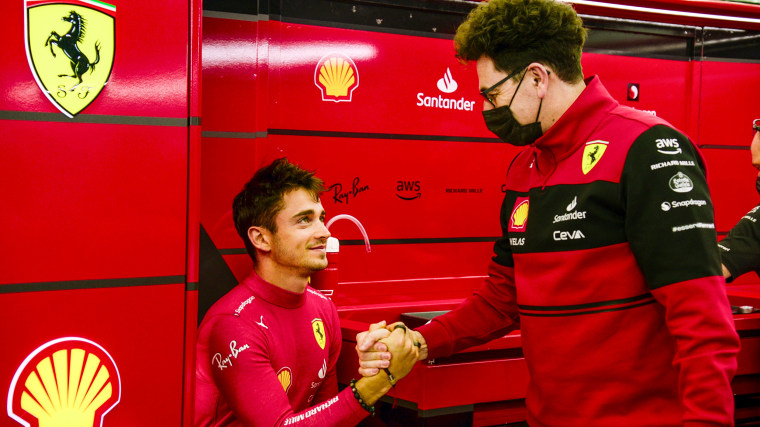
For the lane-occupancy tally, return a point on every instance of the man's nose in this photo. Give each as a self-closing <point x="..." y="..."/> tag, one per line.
<point x="322" y="231"/>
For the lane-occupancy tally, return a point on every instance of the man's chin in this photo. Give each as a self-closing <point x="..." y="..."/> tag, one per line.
<point x="317" y="267"/>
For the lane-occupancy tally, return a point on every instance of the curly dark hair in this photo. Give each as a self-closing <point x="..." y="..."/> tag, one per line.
<point x="262" y="197"/>
<point x="515" y="33"/>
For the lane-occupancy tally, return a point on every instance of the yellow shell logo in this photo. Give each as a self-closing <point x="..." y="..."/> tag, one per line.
<point x="592" y="153"/>
<point x="66" y="382"/>
<point x="519" y="215"/>
<point x="337" y="77"/>
<point x="285" y="377"/>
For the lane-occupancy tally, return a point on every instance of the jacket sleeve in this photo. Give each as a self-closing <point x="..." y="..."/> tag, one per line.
<point x="491" y="312"/>
<point x="246" y="380"/>
<point x="740" y="250"/>
<point x="670" y="226"/>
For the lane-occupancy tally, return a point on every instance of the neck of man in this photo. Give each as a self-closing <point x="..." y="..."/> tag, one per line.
<point x="559" y="100"/>
<point x="284" y="278"/>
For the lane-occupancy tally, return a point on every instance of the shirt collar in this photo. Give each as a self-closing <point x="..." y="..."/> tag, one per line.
<point x="274" y="294"/>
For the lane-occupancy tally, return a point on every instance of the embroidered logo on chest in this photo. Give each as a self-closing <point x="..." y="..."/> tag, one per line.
<point x="592" y="153"/>
<point x="519" y="218"/>
<point x="319" y="332"/>
<point x="286" y="378"/>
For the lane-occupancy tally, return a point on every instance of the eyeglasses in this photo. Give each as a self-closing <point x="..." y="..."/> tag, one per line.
<point x="756" y="125"/>
<point x="486" y="93"/>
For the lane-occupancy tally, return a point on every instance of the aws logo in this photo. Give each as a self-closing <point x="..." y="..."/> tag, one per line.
<point x="405" y="190"/>
<point x="518" y="220"/>
<point x="70" y="48"/>
<point x="668" y="146"/>
<point x="336" y="76"/>
<point x="69" y="381"/>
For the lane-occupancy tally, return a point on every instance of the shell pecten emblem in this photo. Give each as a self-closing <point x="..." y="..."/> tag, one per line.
<point x="69" y="381"/>
<point x="519" y="216"/>
<point x="285" y="377"/>
<point x="337" y="77"/>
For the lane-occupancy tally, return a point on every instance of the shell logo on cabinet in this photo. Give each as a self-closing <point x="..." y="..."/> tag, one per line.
<point x="70" y="47"/>
<point x="69" y="381"/>
<point x="337" y="77"/>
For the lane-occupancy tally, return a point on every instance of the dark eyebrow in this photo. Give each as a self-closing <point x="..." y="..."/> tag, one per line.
<point x="307" y="212"/>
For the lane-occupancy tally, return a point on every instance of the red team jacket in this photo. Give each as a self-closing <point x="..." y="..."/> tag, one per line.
<point x="267" y="356"/>
<point x="608" y="264"/>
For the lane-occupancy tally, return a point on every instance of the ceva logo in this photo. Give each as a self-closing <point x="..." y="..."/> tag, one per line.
<point x="447" y="84"/>
<point x="337" y="77"/>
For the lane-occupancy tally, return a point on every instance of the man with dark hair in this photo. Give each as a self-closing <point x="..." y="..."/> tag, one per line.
<point x="608" y="263"/>
<point x="267" y="350"/>
<point x="740" y="249"/>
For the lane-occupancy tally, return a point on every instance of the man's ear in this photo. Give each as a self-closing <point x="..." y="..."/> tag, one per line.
<point x="539" y="76"/>
<point x="261" y="238"/>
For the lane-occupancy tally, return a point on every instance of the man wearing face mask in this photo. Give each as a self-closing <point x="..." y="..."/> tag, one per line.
<point x="740" y="249"/>
<point x="608" y="263"/>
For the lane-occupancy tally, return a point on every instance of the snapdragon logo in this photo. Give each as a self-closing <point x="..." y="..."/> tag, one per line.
<point x="446" y="84"/>
<point x="666" y="206"/>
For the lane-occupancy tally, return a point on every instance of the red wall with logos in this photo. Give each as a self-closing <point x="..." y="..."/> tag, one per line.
<point x="97" y="240"/>
<point x="423" y="181"/>
<point x="101" y="211"/>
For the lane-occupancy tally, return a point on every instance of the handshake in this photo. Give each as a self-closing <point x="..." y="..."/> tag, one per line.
<point x="390" y="350"/>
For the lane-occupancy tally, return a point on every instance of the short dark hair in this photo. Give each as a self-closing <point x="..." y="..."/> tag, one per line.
<point x="515" y="33"/>
<point x="262" y="197"/>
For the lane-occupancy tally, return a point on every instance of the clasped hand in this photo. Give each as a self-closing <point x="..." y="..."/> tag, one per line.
<point x="389" y="346"/>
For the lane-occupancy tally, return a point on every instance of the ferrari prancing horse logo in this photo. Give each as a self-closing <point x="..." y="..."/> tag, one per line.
<point x="70" y="48"/>
<point x="592" y="153"/>
<point x="319" y="332"/>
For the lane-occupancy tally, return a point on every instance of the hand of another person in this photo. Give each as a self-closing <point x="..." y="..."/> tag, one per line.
<point x="417" y="337"/>
<point x="373" y="354"/>
<point x="404" y="352"/>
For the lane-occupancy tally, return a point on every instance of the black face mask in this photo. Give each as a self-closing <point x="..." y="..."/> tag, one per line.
<point x="502" y="122"/>
<point x="757" y="184"/>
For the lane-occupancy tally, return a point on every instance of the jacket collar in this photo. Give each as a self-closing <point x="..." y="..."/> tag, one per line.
<point x="574" y="127"/>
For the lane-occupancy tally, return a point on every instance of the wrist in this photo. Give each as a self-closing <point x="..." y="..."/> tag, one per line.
<point x="391" y="379"/>
<point x="371" y="389"/>
<point x="418" y="338"/>
<point x="369" y="407"/>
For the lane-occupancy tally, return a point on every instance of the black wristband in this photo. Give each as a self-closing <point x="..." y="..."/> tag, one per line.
<point x="390" y="377"/>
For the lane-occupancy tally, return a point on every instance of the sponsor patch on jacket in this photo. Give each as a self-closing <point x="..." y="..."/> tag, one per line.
<point x="681" y="183"/>
<point x="518" y="220"/>
<point x="592" y="153"/>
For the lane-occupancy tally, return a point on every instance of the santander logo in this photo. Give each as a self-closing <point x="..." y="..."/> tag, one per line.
<point x="447" y="84"/>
